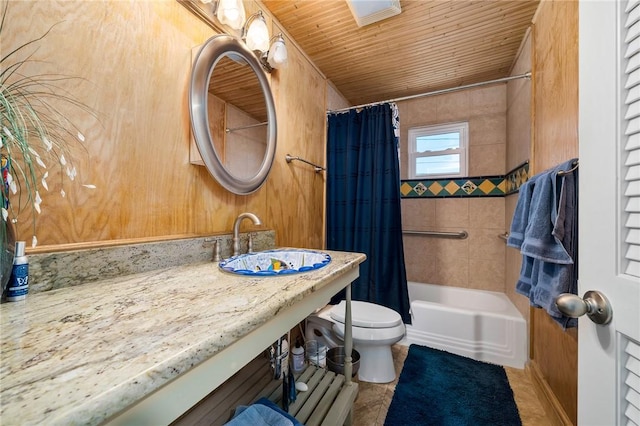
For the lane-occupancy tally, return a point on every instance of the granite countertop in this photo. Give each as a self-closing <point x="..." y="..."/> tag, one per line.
<point x="79" y="355"/>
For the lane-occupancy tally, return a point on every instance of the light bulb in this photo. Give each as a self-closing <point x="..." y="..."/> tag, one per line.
<point x="277" y="57"/>
<point x="231" y="13"/>
<point x="258" y="35"/>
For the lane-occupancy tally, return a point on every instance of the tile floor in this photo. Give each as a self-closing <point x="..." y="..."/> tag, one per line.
<point x="373" y="400"/>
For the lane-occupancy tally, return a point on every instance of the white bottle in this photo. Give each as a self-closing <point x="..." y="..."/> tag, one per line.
<point x="284" y="356"/>
<point x="18" y="286"/>
<point x="297" y="354"/>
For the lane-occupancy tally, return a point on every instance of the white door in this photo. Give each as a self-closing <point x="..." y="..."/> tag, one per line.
<point x="609" y="210"/>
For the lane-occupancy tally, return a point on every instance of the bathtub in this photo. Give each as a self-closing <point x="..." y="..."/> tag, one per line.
<point x="482" y="325"/>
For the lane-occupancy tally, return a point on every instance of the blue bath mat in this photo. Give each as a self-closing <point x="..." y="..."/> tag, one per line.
<point x="438" y="388"/>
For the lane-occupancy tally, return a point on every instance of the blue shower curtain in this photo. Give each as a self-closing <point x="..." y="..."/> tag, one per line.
<point x="363" y="202"/>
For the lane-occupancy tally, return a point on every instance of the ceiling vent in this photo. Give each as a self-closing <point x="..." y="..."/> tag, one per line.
<point x="369" y="11"/>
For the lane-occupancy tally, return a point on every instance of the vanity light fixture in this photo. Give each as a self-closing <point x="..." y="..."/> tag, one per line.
<point x="277" y="56"/>
<point x="255" y="33"/>
<point x="231" y="13"/>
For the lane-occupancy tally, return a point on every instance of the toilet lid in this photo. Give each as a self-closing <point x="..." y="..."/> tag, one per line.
<point x="367" y="315"/>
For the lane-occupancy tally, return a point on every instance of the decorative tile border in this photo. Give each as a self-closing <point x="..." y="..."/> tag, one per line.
<point x="437" y="188"/>
<point x="516" y="177"/>
<point x="491" y="186"/>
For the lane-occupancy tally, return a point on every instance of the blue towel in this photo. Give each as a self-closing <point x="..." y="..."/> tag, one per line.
<point x="539" y="241"/>
<point x="262" y="413"/>
<point x="521" y="213"/>
<point x="544" y="228"/>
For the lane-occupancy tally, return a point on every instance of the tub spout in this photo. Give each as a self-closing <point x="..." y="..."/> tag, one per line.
<point x="236" y="229"/>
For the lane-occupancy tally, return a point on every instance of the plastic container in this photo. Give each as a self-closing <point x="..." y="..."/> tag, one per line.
<point x="316" y="353"/>
<point x="297" y="356"/>
<point x="18" y="285"/>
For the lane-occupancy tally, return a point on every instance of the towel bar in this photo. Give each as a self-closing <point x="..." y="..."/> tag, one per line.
<point x="317" y="168"/>
<point x="572" y="169"/>
<point x="461" y="235"/>
<point x="248" y="126"/>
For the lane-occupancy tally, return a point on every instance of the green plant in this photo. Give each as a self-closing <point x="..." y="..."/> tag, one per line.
<point x="35" y="137"/>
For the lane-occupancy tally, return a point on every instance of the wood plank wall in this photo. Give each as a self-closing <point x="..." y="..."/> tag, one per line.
<point x="134" y="62"/>
<point x="555" y="139"/>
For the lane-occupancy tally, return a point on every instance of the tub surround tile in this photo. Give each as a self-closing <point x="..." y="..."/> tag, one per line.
<point x="418" y="112"/>
<point x="450" y="250"/>
<point x="488" y="100"/>
<point x="418" y="214"/>
<point x="487" y="130"/>
<point x="49" y="271"/>
<point x="519" y="129"/>
<point x="487" y="274"/>
<point x="418" y="273"/>
<point x="452" y="107"/>
<point x="485" y="244"/>
<point x="459" y="262"/>
<point x="487" y="212"/>
<point x="487" y="159"/>
<point x="452" y="213"/>
<point x="79" y="355"/>
<point x="420" y="262"/>
<point x="485" y="111"/>
<point x="453" y="272"/>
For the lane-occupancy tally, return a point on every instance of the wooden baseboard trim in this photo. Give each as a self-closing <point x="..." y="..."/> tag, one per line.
<point x="547" y="398"/>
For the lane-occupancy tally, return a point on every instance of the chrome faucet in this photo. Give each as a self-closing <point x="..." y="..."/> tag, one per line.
<point x="236" y="229"/>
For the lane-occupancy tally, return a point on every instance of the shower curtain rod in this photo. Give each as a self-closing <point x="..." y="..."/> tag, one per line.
<point x="437" y="92"/>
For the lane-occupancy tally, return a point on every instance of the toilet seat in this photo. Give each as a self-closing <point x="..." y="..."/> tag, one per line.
<point x="380" y="336"/>
<point x="366" y="315"/>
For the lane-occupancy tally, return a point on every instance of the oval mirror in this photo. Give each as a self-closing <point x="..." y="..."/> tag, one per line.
<point x="233" y="115"/>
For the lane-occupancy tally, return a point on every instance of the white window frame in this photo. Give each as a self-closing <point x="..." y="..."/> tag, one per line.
<point x="415" y="132"/>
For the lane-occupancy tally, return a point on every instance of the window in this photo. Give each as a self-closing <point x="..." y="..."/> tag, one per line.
<point x="438" y="151"/>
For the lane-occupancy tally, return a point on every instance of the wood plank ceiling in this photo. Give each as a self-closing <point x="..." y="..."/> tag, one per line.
<point x="431" y="45"/>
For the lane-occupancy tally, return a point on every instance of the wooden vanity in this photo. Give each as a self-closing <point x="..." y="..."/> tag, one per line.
<point x="144" y="348"/>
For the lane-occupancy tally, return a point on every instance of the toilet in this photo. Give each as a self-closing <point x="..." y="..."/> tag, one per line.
<point x="374" y="329"/>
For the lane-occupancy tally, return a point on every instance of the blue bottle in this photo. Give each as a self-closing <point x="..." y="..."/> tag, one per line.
<point x="18" y="286"/>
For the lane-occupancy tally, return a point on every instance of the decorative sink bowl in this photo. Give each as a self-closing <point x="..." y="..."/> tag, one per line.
<point x="275" y="262"/>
